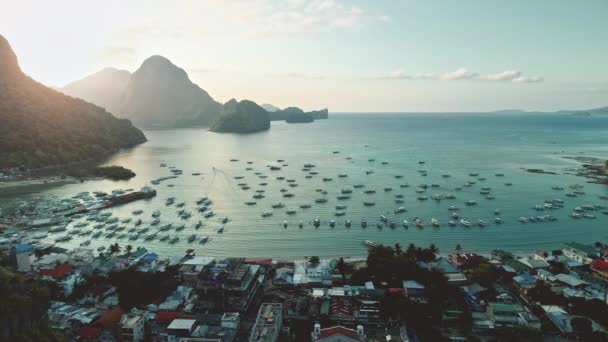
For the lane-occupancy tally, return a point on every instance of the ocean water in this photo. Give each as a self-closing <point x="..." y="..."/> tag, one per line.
<point x="454" y="144"/>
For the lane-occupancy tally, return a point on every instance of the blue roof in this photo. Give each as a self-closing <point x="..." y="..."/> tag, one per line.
<point x="524" y="278"/>
<point x="21" y="248"/>
<point x="149" y="257"/>
<point x="445" y="266"/>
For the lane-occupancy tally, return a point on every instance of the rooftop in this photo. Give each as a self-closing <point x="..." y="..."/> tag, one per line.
<point x="588" y="249"/>
<point x="182" y="324"/>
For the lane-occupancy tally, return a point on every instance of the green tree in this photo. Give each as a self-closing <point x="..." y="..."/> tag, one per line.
<point x="485" y="274"/>
<point x="398" y="249"/>
<point x="128" y="250"/>
<point x="458" y="249"/>
<point x="115" y="248"/>
<point x="343" y="268"/>
<point x="314" y="260"/>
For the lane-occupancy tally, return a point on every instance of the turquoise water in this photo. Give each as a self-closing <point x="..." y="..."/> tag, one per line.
<point x="455" y="144"/>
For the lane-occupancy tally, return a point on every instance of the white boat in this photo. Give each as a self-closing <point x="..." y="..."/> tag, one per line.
<point x="481" y="223"/>
<point x="465" y="223"/>
<point x="451" y="223"/>
<point x="347" y="223"/>
<point x="435" y="223"/>
<point x="137" y="212"/>
<point x="497" y="220"/>
<point x="156" y="213"/>
<point x="332" y="223"/>
<point x="405" y="223"/>
<point x="191" y="238"/>
<point x="369" y="243"/>
<point x="220" y="230"/>
<point x="363" y="223"/>
<point x="400" y="210"/>
<point x="285" y="223"/>
<point x="204" y="239"/>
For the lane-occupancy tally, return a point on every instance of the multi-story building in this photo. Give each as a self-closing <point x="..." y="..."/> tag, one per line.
<point x="230" y="283"/>
<point x="268" y="323"/>
<point x="132" y="326"/>
<point x="580" y="252"/>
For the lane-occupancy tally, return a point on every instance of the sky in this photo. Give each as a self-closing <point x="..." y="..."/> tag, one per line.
<point x="348" y="56"/>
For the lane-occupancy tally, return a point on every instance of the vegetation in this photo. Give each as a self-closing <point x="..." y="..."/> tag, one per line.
<point x="314" y="260"/>
<point x="485" y="274"/>
<point x="42" y="127"/>
<point x="241" y="117"/>
<point x="23" y="310"/>
<point x="389" y="266"/>
<point x="114" y="172"/>
<point x="157" y="285"/>
<point x="343" y="268"/>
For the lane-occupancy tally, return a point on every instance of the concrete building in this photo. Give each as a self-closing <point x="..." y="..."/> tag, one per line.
<point x="132" y="326"/>
<point x="338" y="334"/>
<point x="580" y="252"/>
<point x="268" y="323"/>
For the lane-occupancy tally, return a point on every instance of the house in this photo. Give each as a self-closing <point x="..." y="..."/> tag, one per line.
<point x="268" y="323"/>
<point x="21" y="256"/>
<point x="132" y="326"/>
<point x="570" y="281"/>
<point x="65" y="276"/>
<point x="464" y="261"/>
<point x="503" y="315"/>
<point x="533" y="263"/>
<point x="563" y="321"/>
<point x="180" y="328"/>
<point x="413" y="288"/>
<point x="599" y="268"/>
<point x="580" y="252"/>
<point x="338" y="334"/>
<point x="455" y="277"/>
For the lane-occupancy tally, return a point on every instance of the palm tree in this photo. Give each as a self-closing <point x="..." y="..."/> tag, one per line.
<point x="433" y="248"/>
<point x="115" y="248"/>
<point x="398" y="249"/>
<point x="314" y="260"/>
<point x="128" y="249"/>
<point x="343" y="268"/>
<point x="458" y="248"/>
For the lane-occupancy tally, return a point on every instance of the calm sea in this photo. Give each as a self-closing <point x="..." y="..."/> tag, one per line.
<point x="454" y="144"/>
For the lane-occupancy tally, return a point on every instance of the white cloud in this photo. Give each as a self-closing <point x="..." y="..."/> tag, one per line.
<point x="508" y="75"/>
<point x="528" y="79"/>
<point x="458" y="74"/>
<point x="263" y="17"/>
<point x="513" y="76"/>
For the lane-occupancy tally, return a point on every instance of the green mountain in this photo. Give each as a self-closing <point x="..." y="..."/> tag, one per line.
<point x="241" y="117"/>
<point x="40" y="126"/>
<point x="297" y="115"/>
<point x="269" y="107"/>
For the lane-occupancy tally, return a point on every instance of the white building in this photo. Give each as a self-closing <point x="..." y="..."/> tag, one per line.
<point x="133" y="326"/>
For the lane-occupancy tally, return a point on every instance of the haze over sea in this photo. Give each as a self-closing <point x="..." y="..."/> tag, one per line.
<point x="450" y="143"/>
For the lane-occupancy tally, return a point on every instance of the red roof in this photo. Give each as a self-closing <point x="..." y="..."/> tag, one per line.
<point x="325" y="333"/>
<point x="88" y="332"/>
<point x="110" y="317"/>
<point x="58" y="272"/>
<point x="599" y="264"/>
<point x="258" y="261"/>
<point x="167" y="316"/>
<point x="394" y="290"/>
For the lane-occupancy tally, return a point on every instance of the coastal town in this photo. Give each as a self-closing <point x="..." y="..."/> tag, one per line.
<point x="396" y="293"/>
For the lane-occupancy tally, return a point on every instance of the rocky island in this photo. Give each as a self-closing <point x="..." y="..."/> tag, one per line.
<point x="297" y="115"/>
<point x="593" y="168"/>
<point x="41" y="127"/>
<point x="241" y="117"/>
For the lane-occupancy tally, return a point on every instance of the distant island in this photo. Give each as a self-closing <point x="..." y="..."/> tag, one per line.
<point x="241" y="117"/>
<point x="575" y="112"/>
<point x="41" y="127"/>
<point x="160" y="95"/>
<point x="297" y="115"/>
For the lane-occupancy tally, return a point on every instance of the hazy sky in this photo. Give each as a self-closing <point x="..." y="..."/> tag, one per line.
<point x="392" y="55"/>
